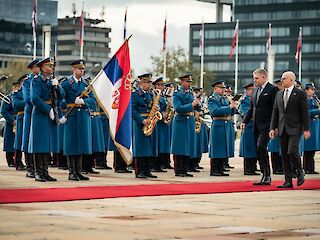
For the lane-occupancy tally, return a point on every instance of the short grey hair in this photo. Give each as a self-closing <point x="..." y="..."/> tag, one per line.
<point x="260" y="71"/>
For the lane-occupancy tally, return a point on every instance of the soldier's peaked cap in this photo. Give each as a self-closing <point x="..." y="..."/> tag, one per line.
<point x="77" y="62"/>
<point x="145" y="75"/>
<point x="248" y="85"/>
<point x="44" y="61"/>
<point x="309" y="85"/>
<point x="218" y="82"/>
<point x="33" y="63"/>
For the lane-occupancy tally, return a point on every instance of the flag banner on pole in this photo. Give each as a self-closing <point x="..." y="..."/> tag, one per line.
<point x="81" y="32"/>
<point x="164" y="34"/>
<point x="34" y="19"/>
<point x="201" y="42"/>
<point x="299" y="46"/>
<point x="125" y="25"/>
<point x="235" y="39"/>
<point x="268" y="45"/>
<point x="112" y="88"/>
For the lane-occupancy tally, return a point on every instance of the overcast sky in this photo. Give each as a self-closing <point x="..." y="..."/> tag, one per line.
<point x="145" y="20"/>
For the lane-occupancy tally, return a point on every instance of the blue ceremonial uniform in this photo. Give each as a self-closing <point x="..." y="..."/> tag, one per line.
<point x="247" y="144"/>
<point x="77" y="130"/>
<point x="98" y="143"/>
<point x="143" y="146"/>
<point x="220" y="144"/>
<point x="18" y="105"/>
<point x="44" y="133"/>
<point x="313" y="143"/>
<point x="163" y="130"/>
<point x="9" y="113"/>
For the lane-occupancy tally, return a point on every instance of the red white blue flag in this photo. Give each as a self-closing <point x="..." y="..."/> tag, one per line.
<point x="201" y="43"/>
<point x="235" y="39"/>
<point x="81" y="32"/>
<point x="112" y="88"/>
<point x="34" y="19"/>
<point x="164" y="34"/>
<point x="268" y="45"/>
<point x="299" y="46"/>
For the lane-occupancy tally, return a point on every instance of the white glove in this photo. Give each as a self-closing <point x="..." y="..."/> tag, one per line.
<point x="51" y="114"/>
<point x="79" y="100"/>
<point x="62" y="120"/>
<point x="55" y="82"/>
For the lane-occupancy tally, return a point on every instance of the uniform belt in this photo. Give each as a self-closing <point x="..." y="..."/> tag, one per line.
<point x="64" y="110"/>
<point x="185" y="114"/>
<point x="71" y="105"/>
<point x="144" y="114"/>
<point x="102" y="113"/>
<point x="20" y="113"/>
<point x="48" y="102"/>
<point x="315" y="117"/>
<point x="95" y="113"/>
<point x="228" y="118"/>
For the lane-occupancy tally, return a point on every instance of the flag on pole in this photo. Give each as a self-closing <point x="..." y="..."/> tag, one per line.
<point x="125" y="25"/>
<point x="81" y="32"/>
<point x="112" y="88"/>
<point x="268" y="45"/>
<point x="235" y="39"/>
<point x="164" y="34"/>
<point x="34" y="19"/>
<point x="201" y="42"/>
<point x="299" y="46"/>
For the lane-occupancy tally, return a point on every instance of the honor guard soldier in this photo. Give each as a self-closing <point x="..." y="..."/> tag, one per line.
<point x="18" y="105"/>
<point x="247" y="146"/>
<point x="312" y="144"/>
<point x="44" y="130"/>
<point x="144" y="106"/>
<point x="77" y="129"/>
<point x="220" y="110"/>
<point x="183" y="126"/>
<point x="9" y="114"/>
<point x="163" y="128"/>
<point x="35" y="70"/>
<point x="274" y="145"/>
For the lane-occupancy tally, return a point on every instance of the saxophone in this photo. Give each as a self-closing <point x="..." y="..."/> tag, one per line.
<point x="169" y="109"/>
<point x="199" y="120"/>
<point x="154" y="115"/>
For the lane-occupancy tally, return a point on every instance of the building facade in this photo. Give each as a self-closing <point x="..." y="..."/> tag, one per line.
<point x="286" y="17"/>
<point x="96" y="45"/>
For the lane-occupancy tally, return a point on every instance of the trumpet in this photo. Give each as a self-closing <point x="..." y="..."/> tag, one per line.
<point x="5" y="98"/>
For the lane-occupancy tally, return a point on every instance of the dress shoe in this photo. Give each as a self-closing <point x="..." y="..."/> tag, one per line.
<point x="226" y="170"/>
<point x="199" y="167"/>
<point x="150" y="175"/>
<point x="141" y="175"/>
<point x="11" y="165"/>
<point x="180" y="175"/>
<point x="157" y="170"/>
<point x="193" y="170"/>
<point x="63" y="168"/>
<point x="225" y="174"/>
<point x="81" y="177"/>
<point x="228" y="166"/>
<point x="30" y="174"/>
<point x="169" y="167"/>
<point x="188" y="175"/>
<point x="300" y="179"/>
<point x="259" y="183"/>
<point x="216" y="174"/>
<point x="99" y="167"/>
<point x="131" y="168"/>
<point x="39" y="178"/>
<point x="252" y="173"/>
<point x="311" y="172"/>
<point x="107" y="167"/>
<point x="122" y="171"/>
<point x="267" y="181"/>
<point x="92" y="171"/>
<point x="286" y="185"/>
<point x="21" y="167"/>
<point x="278" y="173"/>
<point x="49" y="178"/>
<point x="73" y="177"/>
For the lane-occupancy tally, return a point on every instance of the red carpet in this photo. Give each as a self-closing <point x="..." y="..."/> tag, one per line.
<point x="86" y="193"/>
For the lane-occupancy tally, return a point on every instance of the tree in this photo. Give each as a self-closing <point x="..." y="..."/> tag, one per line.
<point x="178" y="63"/>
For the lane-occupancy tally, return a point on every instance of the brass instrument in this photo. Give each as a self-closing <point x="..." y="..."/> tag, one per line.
<point x="154" y="115"/>
<point x="5" y="98"/>
<point x="169" y="112"/>
<point x="199" y="120"/>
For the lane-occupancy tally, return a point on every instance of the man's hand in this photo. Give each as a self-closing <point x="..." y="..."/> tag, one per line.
<point x="233" y="104"/>
<point x="273" y="133"/>
<point x="63" y="120"/>
<point x="195" y="102"/>
<point x="306" y="134"/>
<point x="55" y="82"/>
<point x="242" y="126"/>
<point x="51" y="114"/>
<point x="79" y="100"/>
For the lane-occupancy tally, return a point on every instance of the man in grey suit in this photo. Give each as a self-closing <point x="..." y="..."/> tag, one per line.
<point x="290" y="119"/>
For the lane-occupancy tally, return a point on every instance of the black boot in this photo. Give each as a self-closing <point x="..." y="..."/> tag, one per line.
<point x="38" y="165"/>
<point x="10" y="159"/>
<point x="72" y="168"/>
<point x="18" y="161"/>
<point x="29" y="163"/>
<point x="100" y="160"/>
<point x="46" y="158"/>
<point x="78" y="164"/>
<point x="62" y="162"/>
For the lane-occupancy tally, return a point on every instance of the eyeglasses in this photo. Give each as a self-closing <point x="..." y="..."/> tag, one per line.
<point x="81" y="68"/>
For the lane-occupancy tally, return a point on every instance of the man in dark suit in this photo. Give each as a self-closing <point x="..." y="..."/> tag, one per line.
<point x="290" y="118"/>
<point x="260" y="112"/>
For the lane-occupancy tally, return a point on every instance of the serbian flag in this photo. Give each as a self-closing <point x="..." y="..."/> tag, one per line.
<point x="164" y="34"/>
<point x="299" y="45"/>
<point x="268" y="45"/>
<point x="34" y="19"/>
<point x="201" y="43"/>
<point x="112" y="88"/>
<point x="81" y="32"/>
<point x="235" y="38"/>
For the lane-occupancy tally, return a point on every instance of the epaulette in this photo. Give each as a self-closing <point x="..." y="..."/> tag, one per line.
<point x="140" y="92"/>
<point x="86" y="82"/>
<point x="71" y="80"/>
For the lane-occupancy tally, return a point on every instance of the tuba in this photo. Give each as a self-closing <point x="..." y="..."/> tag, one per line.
<point x="169" y="112"/>
<point x="199" y="120"/>
<point x="154" y="115"/>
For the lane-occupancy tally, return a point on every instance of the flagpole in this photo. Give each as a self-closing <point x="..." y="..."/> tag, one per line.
<point x="300" y="56"/>
<point x="82" y="31"/>
<point x="165" y="49"/>
<point x="34" y="47"/>
<point x="125" y="25"/>
<point x="236" y="62"/>
<point x="202" y="54"/>
<point x="34" y="20"/>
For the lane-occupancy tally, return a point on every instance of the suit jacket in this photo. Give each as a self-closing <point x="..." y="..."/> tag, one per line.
<point x="295" y="118"/>
<point x="261" y="111"/>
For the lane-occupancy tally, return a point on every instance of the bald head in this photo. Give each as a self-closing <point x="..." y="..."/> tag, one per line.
<point x="288" y="79"/>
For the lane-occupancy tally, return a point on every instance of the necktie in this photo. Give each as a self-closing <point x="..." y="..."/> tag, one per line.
<point x="258" y="93"/>
<point x="286" y="98"/>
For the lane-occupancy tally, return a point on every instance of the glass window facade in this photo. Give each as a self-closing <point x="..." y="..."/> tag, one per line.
<point x="311" y="30"/>
<point x="258" y="2"/>
<point x="279" y="15"/>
